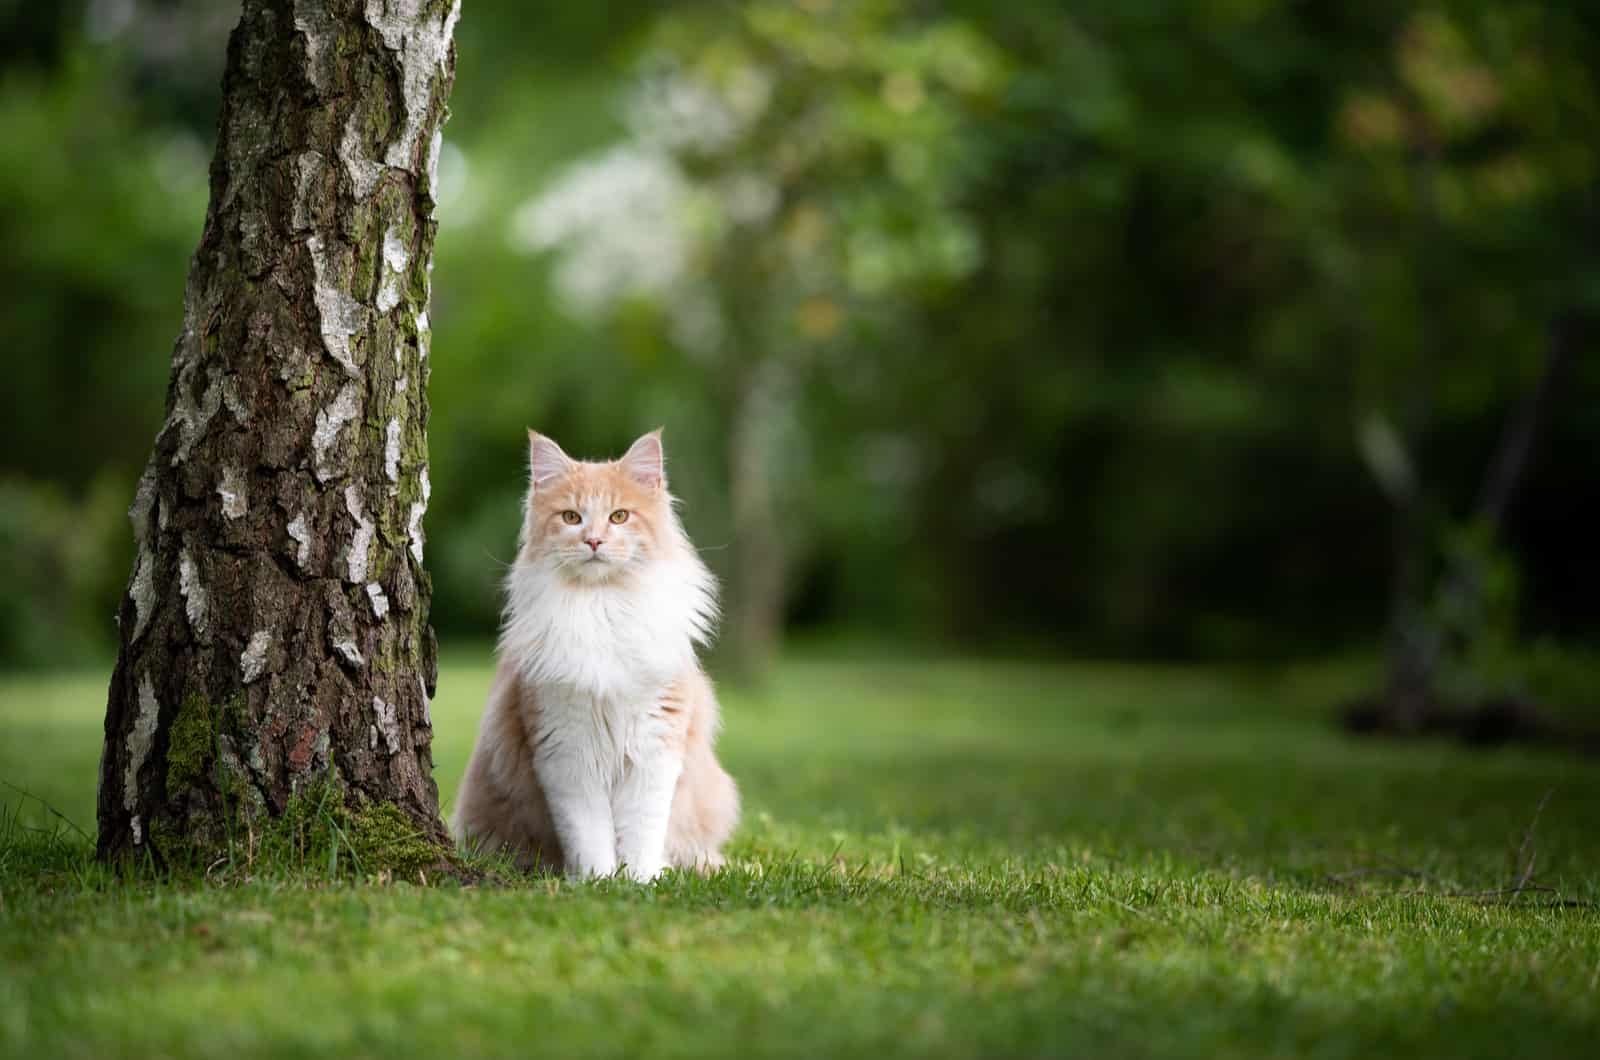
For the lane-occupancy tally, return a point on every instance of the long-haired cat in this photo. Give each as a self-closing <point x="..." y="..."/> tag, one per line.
<point x="595" y="749"/>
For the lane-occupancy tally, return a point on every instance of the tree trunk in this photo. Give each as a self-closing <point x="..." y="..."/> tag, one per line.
<point x="275" y="631"/>
<point x="755" y="618"/>
<point x="1523" y="428"/>
<point x="1417" y="645"/>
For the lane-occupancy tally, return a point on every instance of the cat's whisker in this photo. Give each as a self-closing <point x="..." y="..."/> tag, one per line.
<point x="497" y="561"/>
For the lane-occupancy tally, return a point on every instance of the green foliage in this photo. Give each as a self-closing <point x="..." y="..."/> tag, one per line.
<point x="64" y="560"/>
<point x="1063" y="322"/>
<point x="1069" y="859"/>
<point x="1476" y="612"/>
<point x="1482" y="650"/>
<point x="100" y="214"/>
<point x="1564" y="677"/>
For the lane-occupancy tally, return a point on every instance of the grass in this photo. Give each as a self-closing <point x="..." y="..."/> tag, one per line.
<point x="939" y="857"/>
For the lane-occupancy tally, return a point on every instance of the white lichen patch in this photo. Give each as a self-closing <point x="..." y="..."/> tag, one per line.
<point x="312" y="22"/>
<point x="341" y="316"/>
<point x="144" y="499"/>
<point x="400" y="382"/>
<point x="391" y="450"/>
<point x="395" y="259"/>
<point x="388" y="724"/>
<point x="253" y="233"/>
<point x="228" y="756"/>
<point x="249" y="137"/>
<point x="346" y="406"/>
<point x="140" y="738"/>
<point x="294" y="367"/>
<point x="191" y="414"/>
<point x="380" y="602"/>
<point x="427" y="711"/>
<point x="301" y="535"/>
<point x="423" y="51"/>
<point x="142" y="588"/>
<point x="434" y="148"/>
<point x="361" y="539"/>
<point x="364" y="172"/>
<point x="372" y="737"/>
<point x="424" y="334"/>
<point x="254" y="657"/>
<point x="350" y="653"/>
<point x="196" y="603"/>
<point x="234" y="493"/>
<point x="235" y="402"/>
<point x="143" y="592"/>
<point x="414" y="521"/>
<point x="309" y="170"/>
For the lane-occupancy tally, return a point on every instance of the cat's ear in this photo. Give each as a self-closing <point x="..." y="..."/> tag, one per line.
<point x="645" y="463"/>
<point x="546" y="461"/>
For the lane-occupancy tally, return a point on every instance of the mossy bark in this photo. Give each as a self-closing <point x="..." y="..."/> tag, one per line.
<point x="275" y="631"/>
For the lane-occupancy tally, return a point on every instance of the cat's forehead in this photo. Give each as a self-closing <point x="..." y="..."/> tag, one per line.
<point x="589" y="482"/>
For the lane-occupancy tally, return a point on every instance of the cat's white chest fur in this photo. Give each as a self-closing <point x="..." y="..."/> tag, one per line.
<point x="610" y="643"/>
<point x="598" y="659"/>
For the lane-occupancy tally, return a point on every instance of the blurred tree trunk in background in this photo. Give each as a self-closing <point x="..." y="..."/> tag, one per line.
<point x="756" y="607"/>
<point x="275" y="630"/>
<point x="1418" y="646"/>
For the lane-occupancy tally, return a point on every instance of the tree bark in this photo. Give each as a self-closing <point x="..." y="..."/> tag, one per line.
<point x="275" y="630"/>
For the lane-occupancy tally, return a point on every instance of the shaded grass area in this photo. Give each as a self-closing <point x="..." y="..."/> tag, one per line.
<point x="939" y="857"/>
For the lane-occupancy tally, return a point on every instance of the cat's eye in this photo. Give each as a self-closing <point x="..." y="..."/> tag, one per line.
<point x="571" y="518"/>
<point x="620" y="515"/>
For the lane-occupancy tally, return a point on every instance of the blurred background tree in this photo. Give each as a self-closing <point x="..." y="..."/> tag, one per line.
<point x="1167" y="329"/>
<point x="788" y="188"/>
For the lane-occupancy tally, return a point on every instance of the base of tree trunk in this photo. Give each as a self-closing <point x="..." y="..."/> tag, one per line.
<point x="327" y="829"/>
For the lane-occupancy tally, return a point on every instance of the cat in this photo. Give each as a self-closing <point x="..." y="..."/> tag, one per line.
<point x="595" y="752"/>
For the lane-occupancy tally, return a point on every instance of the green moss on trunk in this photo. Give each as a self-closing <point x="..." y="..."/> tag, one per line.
<point x="191" y="743"/>
<point x="329" y="830"/>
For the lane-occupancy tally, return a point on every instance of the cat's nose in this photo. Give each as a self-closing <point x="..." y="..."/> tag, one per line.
<point x="593" y="543"/>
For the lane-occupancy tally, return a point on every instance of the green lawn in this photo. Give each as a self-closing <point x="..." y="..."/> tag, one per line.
<point x="938" y="857"/>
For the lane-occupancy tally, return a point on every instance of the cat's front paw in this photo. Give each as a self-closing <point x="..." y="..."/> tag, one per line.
<point x="591" y="868"/>
<point x="643" y="872"/>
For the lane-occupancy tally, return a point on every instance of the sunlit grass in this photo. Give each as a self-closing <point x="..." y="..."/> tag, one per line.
<point x="938" y="857"/>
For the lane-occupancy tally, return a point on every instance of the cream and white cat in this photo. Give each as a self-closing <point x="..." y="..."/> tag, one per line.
<point x="595" y="749"/>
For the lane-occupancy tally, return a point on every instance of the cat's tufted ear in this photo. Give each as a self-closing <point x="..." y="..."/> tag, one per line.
<point x="546" y="461"/>
<point x="645" y="462"/>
